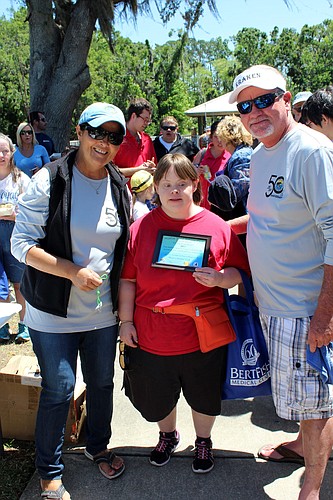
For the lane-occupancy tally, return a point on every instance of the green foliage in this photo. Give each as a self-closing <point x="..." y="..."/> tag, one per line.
<point x="201" y="75"/>
<point x="174" y="76"/>
<point x="136" y="70"/>
<point x="14" y="71"/>
<point x="120" y="75"/>
<point x="176" y="103"/>
<point x="316" y="56"/>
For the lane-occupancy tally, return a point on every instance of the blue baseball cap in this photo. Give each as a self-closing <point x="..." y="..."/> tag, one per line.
<point x="101" y="112"/>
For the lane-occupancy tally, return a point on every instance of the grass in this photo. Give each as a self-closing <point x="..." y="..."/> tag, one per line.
<point x="16" y="468"/>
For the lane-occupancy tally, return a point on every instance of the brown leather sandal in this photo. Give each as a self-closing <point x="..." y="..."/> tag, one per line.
<point x="109" y="458"/>
<point x="287" y="455"/>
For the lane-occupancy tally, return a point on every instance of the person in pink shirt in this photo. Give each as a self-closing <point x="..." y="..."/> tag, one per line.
<point x="210" y="160"/>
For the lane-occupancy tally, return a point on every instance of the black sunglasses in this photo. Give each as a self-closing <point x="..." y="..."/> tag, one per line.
<point x="169" y="127"/>
<point x="261" y="102"/>
<point x="26" y="132"/>
<point x="123" y="355"/>
<point x="114" y="138"/>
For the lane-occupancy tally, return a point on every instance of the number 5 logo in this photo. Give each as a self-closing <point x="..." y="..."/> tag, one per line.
<point x="275" y="184"/>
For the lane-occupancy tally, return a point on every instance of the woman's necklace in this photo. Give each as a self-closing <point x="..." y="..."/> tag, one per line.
<point x="96" y="189"/>
<point x="93" y="184"/>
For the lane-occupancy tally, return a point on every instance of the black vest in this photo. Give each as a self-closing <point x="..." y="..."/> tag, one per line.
<point x="50" y="293"/>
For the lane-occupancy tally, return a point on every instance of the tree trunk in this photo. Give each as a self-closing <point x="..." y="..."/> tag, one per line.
<point x="58" y="64"/>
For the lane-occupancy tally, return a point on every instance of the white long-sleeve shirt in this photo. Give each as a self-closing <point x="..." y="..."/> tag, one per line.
<point x="95" y="228"/>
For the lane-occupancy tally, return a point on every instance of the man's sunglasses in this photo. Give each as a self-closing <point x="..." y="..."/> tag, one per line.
<point x="261" y="102"/>
<point x="114" y="138"/>
<point x="169" y="127"/>
<point x="26" y="132"/>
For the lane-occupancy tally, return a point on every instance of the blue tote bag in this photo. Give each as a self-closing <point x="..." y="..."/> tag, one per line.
<point x="248" y="369"/>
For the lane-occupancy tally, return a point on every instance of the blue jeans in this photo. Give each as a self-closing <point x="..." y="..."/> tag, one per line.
<point x="57" y="357"/>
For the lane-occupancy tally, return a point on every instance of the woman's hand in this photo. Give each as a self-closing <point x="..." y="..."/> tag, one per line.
<point x="201" y="169"/>
<point x="35" y="169"/>
<point x="127" y="334"/>
<point x="208" y="277"/>
<point x="9" y="217"/>
<point x="149" y="165"/>
<point x="226" y="278"/>
<point x="85" y="279"/>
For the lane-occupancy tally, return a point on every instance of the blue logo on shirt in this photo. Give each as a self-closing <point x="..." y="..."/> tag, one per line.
<point x="275" y="187"/>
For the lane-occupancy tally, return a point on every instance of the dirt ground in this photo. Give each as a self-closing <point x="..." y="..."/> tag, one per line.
<point x="10" y="349"/>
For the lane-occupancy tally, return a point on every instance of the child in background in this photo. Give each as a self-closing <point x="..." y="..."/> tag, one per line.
<point x="143" y="193"/>
<point x="13" y="182"/>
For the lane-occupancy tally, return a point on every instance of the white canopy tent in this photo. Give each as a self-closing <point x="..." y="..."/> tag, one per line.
<point x="214" y="107"/>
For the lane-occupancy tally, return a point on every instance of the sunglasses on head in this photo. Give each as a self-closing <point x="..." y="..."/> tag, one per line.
<point x="169" y="127"/>
<point x="261" y="102"/>
<point x="99" y="134"/>
<point x="26" y="132"/>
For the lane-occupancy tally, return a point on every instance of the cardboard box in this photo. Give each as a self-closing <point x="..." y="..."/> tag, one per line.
<point x="20" y="387"/>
